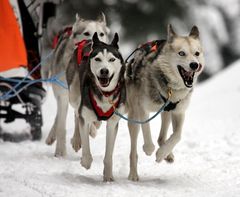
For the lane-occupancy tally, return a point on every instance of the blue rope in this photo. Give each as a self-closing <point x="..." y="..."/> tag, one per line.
<point x="144" y="121"/>
<point x="26" y="77"/>
<point x="53" y="79"/>
<point x="29" y="82"/>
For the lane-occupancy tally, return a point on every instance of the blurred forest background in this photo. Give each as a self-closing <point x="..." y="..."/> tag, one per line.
<point x="139" y="21"/>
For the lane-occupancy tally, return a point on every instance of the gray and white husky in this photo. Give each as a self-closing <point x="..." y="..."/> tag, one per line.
<point x="102" y="90"/>
<point x="81" y="29"/>
<point x="171" y="70"/>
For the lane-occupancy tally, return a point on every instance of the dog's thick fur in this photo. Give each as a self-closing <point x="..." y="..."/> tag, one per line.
<point x="81" y="29"/>
<point x="103" y="57"/>
<point x="149" y="79"/>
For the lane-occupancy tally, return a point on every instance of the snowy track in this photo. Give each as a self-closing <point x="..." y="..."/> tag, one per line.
<point x="207" y="158"/>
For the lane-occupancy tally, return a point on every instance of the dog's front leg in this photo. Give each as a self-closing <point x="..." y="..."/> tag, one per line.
<point x="167" y="147"/>
<point x="166" y="118"/>
<point x="112" y="128"/>
<point x="86" y="160"/>
<point x="148" y="146"/>
<point x="133" y="131"/>
<point x="76" y="139"/>
<point x="59" y="127"/>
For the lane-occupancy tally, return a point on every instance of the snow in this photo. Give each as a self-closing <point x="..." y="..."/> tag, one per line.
<point x="206" y="164"/>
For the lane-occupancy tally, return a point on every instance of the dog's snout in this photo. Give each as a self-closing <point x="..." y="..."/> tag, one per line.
<point x="194" y="65"/>
<point x="104" y="72"/>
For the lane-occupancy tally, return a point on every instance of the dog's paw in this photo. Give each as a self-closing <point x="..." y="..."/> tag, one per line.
<point x="133" y="176"/>
<point x="170" y="158"/>
<point x="76" y="144"/>
<point x="148" y="149"/>
<point x="50" y="139"/>
<point x="160" y="155"/>
<point x="60" y="152"/>
<point x="86" y="161"/>
<point x="93" y="131"/>
<point x="107" y="174"/>
<point x="108" y="178"/>
<point x="97" y="124"/>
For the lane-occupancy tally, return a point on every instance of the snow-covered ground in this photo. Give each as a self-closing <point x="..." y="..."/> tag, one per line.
<point x="207" y="158"/>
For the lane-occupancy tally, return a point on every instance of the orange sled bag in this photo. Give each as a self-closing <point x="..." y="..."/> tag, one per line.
<point x="12" y="48"/>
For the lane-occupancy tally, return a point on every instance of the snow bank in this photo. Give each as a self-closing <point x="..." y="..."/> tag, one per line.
<point x="207" y="158"/>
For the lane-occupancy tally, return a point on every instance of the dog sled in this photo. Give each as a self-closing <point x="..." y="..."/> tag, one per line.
<point x="20" y="51"/>
<point x="30" y="100"/>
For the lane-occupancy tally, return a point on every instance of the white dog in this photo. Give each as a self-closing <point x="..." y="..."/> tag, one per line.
<point x="167" y="70"/>
<point x="81" y="29"/>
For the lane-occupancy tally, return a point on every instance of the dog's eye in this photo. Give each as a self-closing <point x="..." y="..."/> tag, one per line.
<point x="97" y="59"/>
<point x="197" y="53"/>
<point x="101" y="34"/>
<point x="112" y="59"/>
<point x="182" y="53"/>
<point x="86" y="33"/>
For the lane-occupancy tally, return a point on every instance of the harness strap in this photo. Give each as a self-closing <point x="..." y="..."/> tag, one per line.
<point x="80" y="46"/>
<point x="67" y="31"/>
<point x="101" y="115"/>
<point x="81" y="50"/>
<point x="152" y="46"/>
<point x="171" y="106"/>
<point x="151" y="118"/>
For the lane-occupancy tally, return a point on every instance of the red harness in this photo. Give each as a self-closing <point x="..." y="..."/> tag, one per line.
<point x="80" y="45"/>
<point x="101" y="115"/>
<point x="80" y="50"/>
<point x="67" y="31"/>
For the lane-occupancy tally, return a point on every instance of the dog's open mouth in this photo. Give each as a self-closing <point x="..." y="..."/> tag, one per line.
<point x="187" y="76"/>
<point x="105" y="81"/>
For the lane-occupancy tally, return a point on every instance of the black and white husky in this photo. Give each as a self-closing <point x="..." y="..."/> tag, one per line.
<point x="80" y="30"/>
<point x="102" y="90"/>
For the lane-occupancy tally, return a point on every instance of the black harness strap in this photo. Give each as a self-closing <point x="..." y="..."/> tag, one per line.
<point x="171" y="106"/>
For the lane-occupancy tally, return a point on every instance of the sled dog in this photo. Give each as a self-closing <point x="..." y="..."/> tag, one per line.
<point x="81" y="29"/>
<point x="169" y="70"/>
<point x="102" y="90"/>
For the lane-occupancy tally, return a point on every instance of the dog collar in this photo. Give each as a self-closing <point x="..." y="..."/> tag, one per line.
<point x="101" y="115"/>
<point x="171" y="106"/>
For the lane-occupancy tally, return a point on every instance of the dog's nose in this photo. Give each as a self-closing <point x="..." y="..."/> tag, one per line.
<point x="104" y="72"/>
<point x="194" y="65"/>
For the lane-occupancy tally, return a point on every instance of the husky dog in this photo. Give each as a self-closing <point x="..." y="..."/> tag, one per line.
<point x="81" y="29"/>
<point x="170" y="72"/>
<point x="102" y="89"/>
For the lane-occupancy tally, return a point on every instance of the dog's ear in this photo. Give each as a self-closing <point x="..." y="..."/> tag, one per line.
<point x="194" y="33"/>
<point x="171" y="33"/>
<point x="95" y="39"/>
<point x="115" y="41"/>
<point x="102" y="18"/>
<point x="107" y="30"/>
<point x="78" y="18"/>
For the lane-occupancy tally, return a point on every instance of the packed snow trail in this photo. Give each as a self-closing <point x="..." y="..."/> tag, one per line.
<point x="206" y="163"/>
